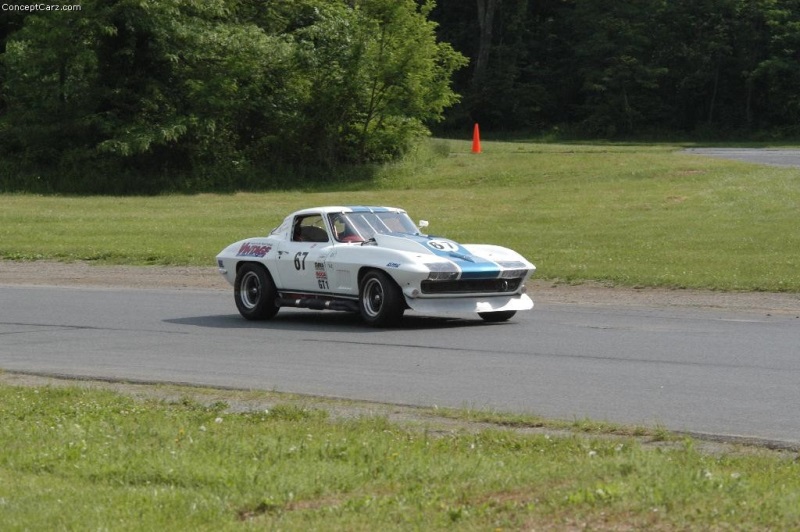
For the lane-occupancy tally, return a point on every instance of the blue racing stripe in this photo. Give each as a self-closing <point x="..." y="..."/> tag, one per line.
<point x="363" y="208"/>
<point x="472" y="267"/>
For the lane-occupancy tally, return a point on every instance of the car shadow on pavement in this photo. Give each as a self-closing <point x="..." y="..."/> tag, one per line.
<point x="333" y="321"/>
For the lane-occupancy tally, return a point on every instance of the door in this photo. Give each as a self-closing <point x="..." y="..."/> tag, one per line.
<point x="301" y="260"/>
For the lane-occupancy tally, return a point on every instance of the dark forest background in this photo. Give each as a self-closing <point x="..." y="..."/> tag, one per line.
<point x="713" y="68"/>
<point x="146" y="96"/>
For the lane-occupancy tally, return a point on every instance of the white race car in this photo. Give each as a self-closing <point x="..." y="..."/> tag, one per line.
<point x="374" y="261"/>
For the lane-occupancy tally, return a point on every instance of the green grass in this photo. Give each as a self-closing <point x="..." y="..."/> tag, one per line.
<point x="78" y="458"/>
<point x="634" y="215"/>
<point x="624" y="214"/>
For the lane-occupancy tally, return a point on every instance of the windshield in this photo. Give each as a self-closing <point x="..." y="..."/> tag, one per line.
<point x="367" y="224"/>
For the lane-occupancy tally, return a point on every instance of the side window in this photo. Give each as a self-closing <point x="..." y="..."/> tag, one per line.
<point x="309" y="228"/>
<point x="338" y="224"/>
<point x="343" y="229"/>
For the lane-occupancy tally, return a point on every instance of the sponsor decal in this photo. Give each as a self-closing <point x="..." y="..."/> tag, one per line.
<point x="319" y="270"/>
<point x="321" y="275"/>
<point x="253" y="250"/>
<point x="393" y="265"/>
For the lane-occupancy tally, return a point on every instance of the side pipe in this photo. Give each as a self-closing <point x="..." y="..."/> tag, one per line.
<point x="318" y="304"/>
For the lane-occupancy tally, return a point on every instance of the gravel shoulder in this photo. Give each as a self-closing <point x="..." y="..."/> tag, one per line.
<point x="75" y="274"/>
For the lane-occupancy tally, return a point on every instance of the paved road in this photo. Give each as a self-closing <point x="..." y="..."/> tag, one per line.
<point x="770" y="156"/>
<point x="710" y="371"/>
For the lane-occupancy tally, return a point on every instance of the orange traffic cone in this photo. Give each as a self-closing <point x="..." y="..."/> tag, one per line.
<point x="476" y="139"/>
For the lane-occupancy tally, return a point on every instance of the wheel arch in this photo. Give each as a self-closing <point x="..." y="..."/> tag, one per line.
<point x="254" y="291"/>
<point x="241" y="263"/>
<point x="384" y="306"/>
<point x="364" y="270"/>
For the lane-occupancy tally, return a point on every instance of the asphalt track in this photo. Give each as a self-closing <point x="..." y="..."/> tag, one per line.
<point x="731" y="373"/>
<point x="768" y="156"/>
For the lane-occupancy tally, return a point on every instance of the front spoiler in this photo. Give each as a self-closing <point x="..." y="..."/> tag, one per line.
<point x="470" y="305"/>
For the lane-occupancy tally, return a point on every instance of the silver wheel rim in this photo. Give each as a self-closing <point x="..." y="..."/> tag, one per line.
<point x="373" y="297"/>
<point x="250" y="291"/>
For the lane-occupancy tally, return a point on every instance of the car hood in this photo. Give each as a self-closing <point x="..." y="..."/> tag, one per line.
<point x="473" y="261"/>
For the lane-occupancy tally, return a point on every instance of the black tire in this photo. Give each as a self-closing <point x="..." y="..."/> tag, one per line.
<point x="380" y="300"/>
<point x="494" y="317"/>
<point x="255" y="292"/>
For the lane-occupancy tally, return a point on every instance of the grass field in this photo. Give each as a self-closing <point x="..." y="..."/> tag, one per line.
<point x="633" y="215"/>
<point x="76" y="458"/>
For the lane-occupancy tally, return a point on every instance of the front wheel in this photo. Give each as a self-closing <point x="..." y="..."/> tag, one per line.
<point x="494" y="317"/>
<point x="380" y="300"/>
<point x="255" y="293"/>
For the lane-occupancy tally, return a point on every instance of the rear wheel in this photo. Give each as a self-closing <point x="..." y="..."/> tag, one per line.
<point x="494" y="317"/>
<point x="380" y="300"/>
<point x="255" y="292"/>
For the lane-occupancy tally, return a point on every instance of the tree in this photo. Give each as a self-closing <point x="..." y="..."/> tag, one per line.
<point x="608" y="68"/>
<point x="46" y="88"/>
<point x="522" y="73"/>
<point x="406" y="73"/>
<point x="699" y="42"/>
<point x="177" y="94"/>
<point x="777" y="74"/>
<point x="147" y="86"/>
<point x="614" y="61"/>
<point x="10" y="22"/>
<point x="376" y="76"/>
<point x="486" y="12"/>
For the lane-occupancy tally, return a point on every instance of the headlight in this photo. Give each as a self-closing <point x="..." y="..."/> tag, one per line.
<point x="514" y="269"/>
<point x="511" y="264"/>
<point x="514" y="274"/>
<point x="442" y="271"/>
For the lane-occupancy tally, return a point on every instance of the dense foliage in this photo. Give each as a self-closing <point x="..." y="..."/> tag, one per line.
<point x="147" y="95"/>
<point x="123" y="96"/>
<point x="714" y="68"/>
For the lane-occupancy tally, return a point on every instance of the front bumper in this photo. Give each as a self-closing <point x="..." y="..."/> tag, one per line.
<point x="471" y="305"/>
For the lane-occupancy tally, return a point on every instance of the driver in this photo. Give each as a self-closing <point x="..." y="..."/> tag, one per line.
<point x="342" y="229"/>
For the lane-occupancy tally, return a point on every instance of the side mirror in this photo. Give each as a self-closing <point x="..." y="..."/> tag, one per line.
<point x="423" y="224"/>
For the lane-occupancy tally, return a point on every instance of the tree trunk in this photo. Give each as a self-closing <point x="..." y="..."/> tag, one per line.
<point x="713" y="103"/>
<point x="486" y="11"/>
